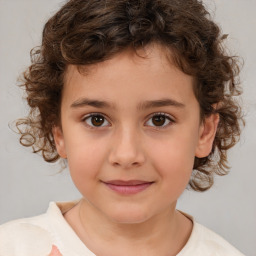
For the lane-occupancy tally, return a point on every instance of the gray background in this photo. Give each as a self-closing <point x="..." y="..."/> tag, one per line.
<point x="27" y="183"/>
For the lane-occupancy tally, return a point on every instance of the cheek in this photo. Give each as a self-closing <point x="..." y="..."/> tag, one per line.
<point x="174" y="159"/>
<point x="85" y="161"/>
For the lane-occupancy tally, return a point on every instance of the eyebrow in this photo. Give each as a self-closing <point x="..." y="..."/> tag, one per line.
<point x="82" y="102"/>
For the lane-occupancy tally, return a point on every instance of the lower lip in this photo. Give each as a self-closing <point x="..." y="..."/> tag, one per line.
<point x="128" y="190"/>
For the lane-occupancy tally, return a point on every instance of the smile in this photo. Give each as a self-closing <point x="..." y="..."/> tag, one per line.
<point x="128" y="187"/>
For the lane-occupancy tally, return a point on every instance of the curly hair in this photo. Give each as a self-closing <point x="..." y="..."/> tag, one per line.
<point x="88" y="32"/>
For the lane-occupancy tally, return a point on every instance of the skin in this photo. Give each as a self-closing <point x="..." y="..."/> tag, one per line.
<point x="55" y="251"/>
<point x="130" y="145"/>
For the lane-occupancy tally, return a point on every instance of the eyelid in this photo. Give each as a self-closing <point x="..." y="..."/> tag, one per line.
<point x="161" y="113"/>
<point x="95" y="114"/>
<point x="168" y="116"/>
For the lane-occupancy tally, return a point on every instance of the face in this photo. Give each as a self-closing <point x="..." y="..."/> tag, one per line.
<point x="130" y="131"/>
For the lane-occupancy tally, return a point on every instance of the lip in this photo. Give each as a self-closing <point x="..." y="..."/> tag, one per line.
<point x="128" y="187"/>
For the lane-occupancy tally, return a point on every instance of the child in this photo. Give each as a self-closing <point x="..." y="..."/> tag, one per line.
<point x="137" y="96"/>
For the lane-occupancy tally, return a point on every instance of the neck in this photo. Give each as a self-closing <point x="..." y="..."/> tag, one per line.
<point x="166" y="232"/>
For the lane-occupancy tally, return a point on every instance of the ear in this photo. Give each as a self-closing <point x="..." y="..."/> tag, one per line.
<point x="207" y="133"/>
<point x="59" y="141"/>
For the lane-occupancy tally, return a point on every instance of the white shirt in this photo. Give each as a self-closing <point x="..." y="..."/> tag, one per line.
<point x="35" y="237"/>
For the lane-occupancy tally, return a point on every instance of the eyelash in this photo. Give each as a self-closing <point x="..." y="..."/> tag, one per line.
<point x="167" y="116"/>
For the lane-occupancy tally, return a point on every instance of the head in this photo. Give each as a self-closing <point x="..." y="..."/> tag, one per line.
<point x="85" y="35"/>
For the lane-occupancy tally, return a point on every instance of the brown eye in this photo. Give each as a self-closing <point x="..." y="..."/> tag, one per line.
<point x="160" y="120"/>
<point x="95" y="120"/>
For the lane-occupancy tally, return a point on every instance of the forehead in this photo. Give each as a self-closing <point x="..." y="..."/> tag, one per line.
<point x="152" y="56"/>
<point x="149" y="73"/>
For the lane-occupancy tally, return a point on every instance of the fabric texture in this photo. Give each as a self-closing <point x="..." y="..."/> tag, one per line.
<point x="50" y="235"/>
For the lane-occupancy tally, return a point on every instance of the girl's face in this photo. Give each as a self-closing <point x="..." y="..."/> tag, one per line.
<point x="130" y="131"/>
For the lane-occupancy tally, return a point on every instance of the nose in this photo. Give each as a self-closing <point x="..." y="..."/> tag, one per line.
<point x="126" y="149"/>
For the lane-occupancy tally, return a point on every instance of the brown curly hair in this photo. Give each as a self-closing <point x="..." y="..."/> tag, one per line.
<point x="87" y="32"/>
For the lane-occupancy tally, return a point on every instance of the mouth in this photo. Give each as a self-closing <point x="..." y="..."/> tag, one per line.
<point x="128" y="187"/>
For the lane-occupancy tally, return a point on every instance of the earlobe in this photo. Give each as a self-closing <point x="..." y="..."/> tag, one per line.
<point x="206" y="135"/>
<point x="59" y="141"/>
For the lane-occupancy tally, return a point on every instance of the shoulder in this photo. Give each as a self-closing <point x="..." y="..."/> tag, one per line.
<point x="205" y="242"/>
<point x="30" y="236"/>
<point x="40" y="235"/>
<point x="214" y="242"/>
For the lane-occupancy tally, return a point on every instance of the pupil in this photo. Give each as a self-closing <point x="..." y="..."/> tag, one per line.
<point x="97" y="120"/>
<point x="159" y="120"/>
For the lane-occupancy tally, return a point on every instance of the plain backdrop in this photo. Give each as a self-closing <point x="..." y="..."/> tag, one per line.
<point x="27" y="183"/>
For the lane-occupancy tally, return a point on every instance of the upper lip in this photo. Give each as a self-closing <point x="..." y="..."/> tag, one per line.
<point x="127" y="182"/>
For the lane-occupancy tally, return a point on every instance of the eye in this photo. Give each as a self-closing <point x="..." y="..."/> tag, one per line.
<point x="160" y="120"/>
<point x="95" y="120"/>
